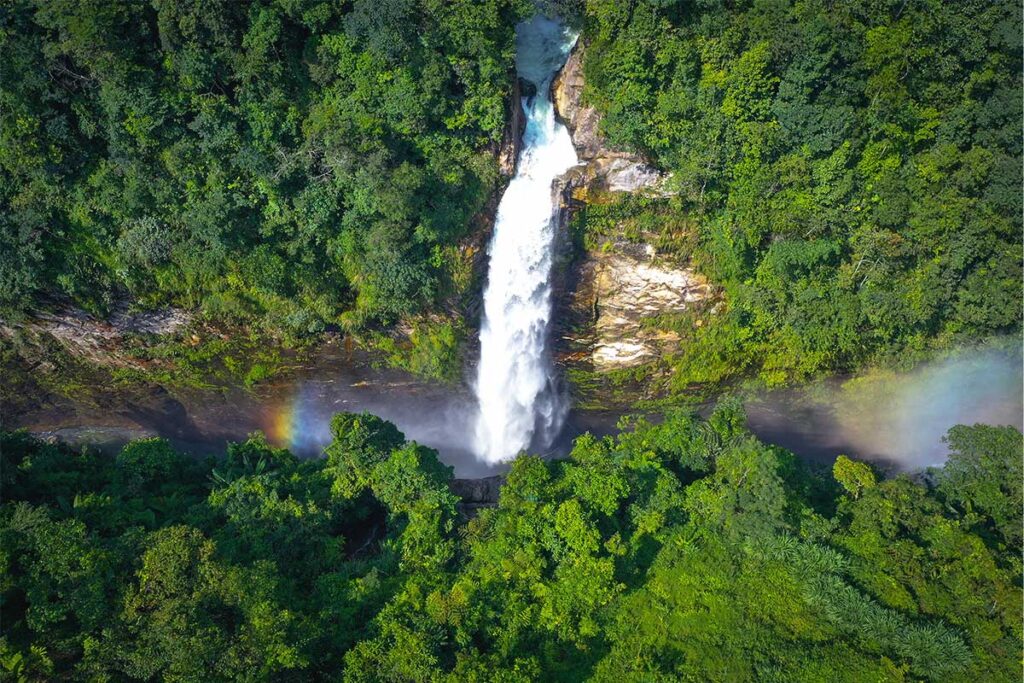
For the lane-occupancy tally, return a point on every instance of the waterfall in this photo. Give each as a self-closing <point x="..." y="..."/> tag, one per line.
<point x="518" y="403"/>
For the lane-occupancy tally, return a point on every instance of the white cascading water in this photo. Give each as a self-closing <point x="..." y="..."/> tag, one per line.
<point x="518" y="404"/>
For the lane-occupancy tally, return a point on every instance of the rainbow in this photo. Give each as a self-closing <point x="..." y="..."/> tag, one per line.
<point x="297" y="423"/>
<point x="281" y="423"/>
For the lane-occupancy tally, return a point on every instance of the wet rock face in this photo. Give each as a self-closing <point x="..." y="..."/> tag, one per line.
<point x="624" y="287"/>
<point x="526" y="88"/>
<point x="512" y="136"/>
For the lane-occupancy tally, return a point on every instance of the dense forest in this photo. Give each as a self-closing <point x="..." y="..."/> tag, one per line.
<point x="849" y="172"/>
<point x="685" y="550"/>
<point x="295" y="161"/>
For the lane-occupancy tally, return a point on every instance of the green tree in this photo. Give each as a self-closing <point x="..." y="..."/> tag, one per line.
<point x="983" y="477"/>
<point x="853" y="476"/>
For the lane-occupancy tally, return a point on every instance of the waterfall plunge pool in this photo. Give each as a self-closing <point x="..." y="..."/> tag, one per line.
<point x="897" y="418"/>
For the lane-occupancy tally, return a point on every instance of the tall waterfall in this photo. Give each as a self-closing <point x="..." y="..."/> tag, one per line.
<point x="518" y="403"/>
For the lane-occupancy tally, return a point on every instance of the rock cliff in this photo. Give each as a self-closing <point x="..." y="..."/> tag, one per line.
<point x="479" y="493"/>
<point x="616" y="294"/>
<point x="101" y="342"/>
<point x="622" y="288"/>
<point x="512" y="136"/>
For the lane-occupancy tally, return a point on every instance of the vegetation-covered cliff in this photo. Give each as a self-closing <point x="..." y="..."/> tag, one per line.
<point x="848" y="173"/>
<point x="301" y="164"/>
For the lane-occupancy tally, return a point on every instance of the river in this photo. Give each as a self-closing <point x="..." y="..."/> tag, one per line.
<point x="896" y="419"/>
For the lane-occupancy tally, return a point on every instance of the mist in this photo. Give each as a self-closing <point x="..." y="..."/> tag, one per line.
<point x="895" y="418"/>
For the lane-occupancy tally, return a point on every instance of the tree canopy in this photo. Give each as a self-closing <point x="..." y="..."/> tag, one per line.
<point x="301" y="162"/>
<point x="683" y="550"/>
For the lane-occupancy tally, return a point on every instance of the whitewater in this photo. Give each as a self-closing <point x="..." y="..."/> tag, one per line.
<point x="519" y="406"/>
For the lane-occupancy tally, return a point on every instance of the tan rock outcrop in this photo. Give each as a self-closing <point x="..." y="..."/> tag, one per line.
<point x="631" y="285"/>
<point x="617" y="291"/>
<point x="582" y="121"/>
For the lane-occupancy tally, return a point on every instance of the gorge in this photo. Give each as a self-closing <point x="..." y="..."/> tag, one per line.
<point x="512" y="399"/>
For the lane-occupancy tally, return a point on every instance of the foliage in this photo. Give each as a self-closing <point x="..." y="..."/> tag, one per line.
<point x="849" y="172"/>
<point x="853" y="476"/>
<point x="431" y="350"/>
<point x="984" y="478"/>
<point x="298" y="162"/>
<point x="682" y="550"/>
